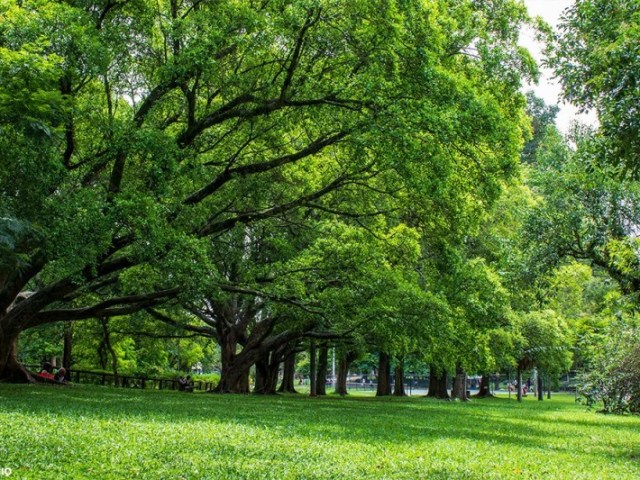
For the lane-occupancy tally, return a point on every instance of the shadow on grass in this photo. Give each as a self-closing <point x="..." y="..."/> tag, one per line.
<point x="364" y="420"/>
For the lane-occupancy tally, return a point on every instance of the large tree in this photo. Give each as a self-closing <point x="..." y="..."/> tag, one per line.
<point x="587" y="212"/>
<point x="595" y="55"/>
<point x="136" y="133"/>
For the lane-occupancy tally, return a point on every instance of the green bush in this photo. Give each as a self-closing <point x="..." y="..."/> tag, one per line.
<point x="613" y="379"/>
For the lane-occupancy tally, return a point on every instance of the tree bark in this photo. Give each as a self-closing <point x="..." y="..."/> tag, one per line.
<point x="398" y="387"/>
<point x="267" y="375"/>
<point x="234" y="375"/>
<point x="323" y="364"/>
<point x="235" y="380"/>
<point x="106" y="339"/>
<point x="261" y="379"/>
<point x="343" y="370"/>
<point x="313" y="387"/>
<point x="68" y="346"/>
<point x="437" y="384"/>
<point x="10" y="369"/>
<point x="484" y="391"/>
<point x="288" y="384"/>
<point x="341" y="381"/>
<point x="459" y="390"/>
<point x="519" y="384"/>
<point x="259" y="344"/>
<point x="540" y="387"/>
<point x="384" y="375"/>
<point x="548" y="388"/>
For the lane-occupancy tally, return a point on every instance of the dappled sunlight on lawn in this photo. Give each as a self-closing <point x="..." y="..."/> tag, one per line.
<point x="151" y="434"/>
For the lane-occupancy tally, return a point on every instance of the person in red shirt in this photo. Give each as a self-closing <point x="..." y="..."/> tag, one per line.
<point x="46" y="371"/>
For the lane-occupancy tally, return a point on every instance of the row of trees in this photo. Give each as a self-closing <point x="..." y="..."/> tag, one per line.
<point x="283" y="175"/>
<point x="244" y="163"/>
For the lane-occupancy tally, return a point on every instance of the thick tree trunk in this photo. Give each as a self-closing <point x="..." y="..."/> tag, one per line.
<point x="267" y="375"/>
<point x="288" y="384"/>
<point x="341" y="381"/>
<point x="235" y="379"/>
<point x="459" y="390"/>
<point x="261" y="379"/>
<point x="12" y="283"/>
<point x="259" y="345"/>
<point x="484" y="391"/>
<point x="313" y="386"/>
<point x="437" y="384"/>
<point x="398" y="387"/>
<point x="343" y="370"/>
<point x="10" y="369"/>
<point x="384" y="375"/>
<point x="234" y="375"/>
<point x="68" y="346"/>
<point x="323" y="364"/>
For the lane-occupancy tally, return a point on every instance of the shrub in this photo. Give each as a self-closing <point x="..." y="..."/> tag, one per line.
<point x="614" y="375"/>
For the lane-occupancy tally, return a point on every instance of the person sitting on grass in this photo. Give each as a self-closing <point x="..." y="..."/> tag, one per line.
<point x="46" y="372"/>
<point x="60" y="375"/>
<point x="189" y="384"/>
<point x="185" y="384"/>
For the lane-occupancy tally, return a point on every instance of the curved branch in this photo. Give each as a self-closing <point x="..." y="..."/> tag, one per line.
<point x="108" y="308"/>
<point x="245" y="170"/>
<point x="204" y="331"/>
<point x="233" y="109"/>
<point x="256" y="293"/>
<point x="247" y="217"/>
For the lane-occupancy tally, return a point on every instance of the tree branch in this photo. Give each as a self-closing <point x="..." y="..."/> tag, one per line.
<point x="263" y="107"/>
<point x="204" y="331"/>
<point x="297" y="51"/>
<point x="108" y="308"/>
<point x="248" y="217"/>
<point x="154" y="96"/>
<point x="257" y="293"/>
<point x="245" y="170"/>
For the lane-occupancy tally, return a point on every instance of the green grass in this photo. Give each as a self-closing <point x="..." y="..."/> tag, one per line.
<point x="100" y="433"/>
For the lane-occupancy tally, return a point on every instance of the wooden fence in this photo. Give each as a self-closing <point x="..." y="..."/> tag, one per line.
<point x="129" y="381"/>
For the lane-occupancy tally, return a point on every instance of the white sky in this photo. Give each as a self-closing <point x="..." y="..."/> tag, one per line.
<point x="547" y="87"/>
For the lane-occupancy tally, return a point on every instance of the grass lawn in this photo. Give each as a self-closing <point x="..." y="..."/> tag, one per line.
<point x="49" y="432"/>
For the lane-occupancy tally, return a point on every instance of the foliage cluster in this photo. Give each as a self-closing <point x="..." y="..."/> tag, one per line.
<point x="612" y="379"/>
<point x="235" y="183"/>
<point x="257" y="173"/>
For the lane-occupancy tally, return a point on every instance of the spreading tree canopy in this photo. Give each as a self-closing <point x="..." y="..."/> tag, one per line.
<point x="596" y="57"/>
<point x="136" y="134"/>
